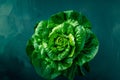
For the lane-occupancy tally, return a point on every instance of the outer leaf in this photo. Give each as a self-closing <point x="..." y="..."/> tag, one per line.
<point x="80" y="37"/>
<point x="58" y="18"/>
<point x="46" y="68"/>
<point x="86" y="66"/>
<point x="29" y="48"/>
<point x="90" y="49"/>
<point x="71" y="72"/>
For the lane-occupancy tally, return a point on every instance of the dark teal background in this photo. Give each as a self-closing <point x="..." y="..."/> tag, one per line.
<point x="17" y="20"/>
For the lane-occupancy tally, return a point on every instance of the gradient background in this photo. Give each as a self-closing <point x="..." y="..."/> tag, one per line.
<point x="17" y="20"/>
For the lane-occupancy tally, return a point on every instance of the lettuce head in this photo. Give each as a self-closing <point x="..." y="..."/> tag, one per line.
<point x="62" y="45"/>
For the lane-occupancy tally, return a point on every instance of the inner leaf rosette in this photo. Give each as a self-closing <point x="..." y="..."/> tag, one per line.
<point x="60" y="43"/>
